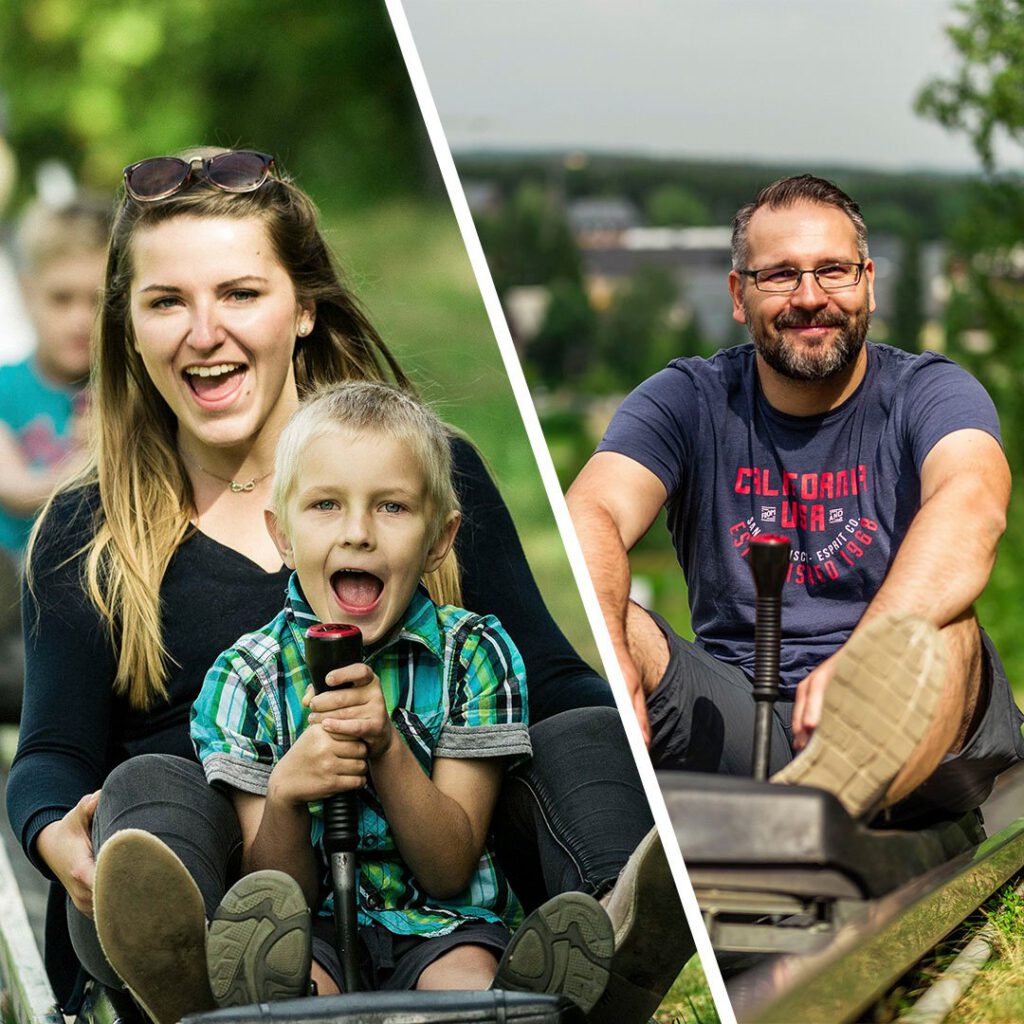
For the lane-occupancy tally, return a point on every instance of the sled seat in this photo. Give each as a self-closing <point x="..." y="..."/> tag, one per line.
<point x="738" y="833"/>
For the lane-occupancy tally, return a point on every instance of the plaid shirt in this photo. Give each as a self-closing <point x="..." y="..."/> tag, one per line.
<point x="454" y="684"/>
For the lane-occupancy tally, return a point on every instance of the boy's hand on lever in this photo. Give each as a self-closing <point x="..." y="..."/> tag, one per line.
<point x="318" y="765"/>
<point x="354" y="707"/>
<point x="66" y="846"/>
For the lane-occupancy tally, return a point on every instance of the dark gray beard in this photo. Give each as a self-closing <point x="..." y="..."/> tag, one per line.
<point x="814" y="365"/>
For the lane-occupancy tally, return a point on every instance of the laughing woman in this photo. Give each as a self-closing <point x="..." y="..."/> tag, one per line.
<point x="222" y="308"/>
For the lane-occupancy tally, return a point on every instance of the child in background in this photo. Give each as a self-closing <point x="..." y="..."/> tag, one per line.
<point x="61" y="255"/>
<point x="363" y="509"/>
<point x="43" y="399"/>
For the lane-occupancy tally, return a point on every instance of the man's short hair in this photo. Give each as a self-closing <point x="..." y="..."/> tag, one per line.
<point x="47" y="233"/>
<point x="800" y="188"/>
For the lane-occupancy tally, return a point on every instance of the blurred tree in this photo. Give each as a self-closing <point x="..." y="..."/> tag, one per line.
<point x="985" y="97"/>
<point x="908" y="299"/>
<point x="637" y="336"/>
<point x="671" y="205"/>
<point x="324" y="87"/>
<point x="528" y="241"/>
<point x="563" y="347"/>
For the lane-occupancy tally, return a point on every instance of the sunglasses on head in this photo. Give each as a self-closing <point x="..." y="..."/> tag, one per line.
<point x="157" y="177"/>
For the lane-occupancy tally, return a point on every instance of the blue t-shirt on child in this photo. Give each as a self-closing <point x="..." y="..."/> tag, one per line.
<point x="38" y="414"/>
<point x="842" y="486"/>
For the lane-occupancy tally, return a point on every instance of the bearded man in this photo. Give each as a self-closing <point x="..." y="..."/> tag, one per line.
<point x="885" y="471"/>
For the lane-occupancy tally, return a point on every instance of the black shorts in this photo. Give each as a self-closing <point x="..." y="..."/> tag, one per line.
<point x="702" y="719"/>
<point x="390" y="962"/>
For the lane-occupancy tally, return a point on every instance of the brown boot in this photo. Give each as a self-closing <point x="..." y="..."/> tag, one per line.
<point x="151" y="925"/>
<point x="652" y="938"/>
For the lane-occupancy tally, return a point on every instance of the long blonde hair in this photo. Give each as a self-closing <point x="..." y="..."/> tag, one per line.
<point x="146" y="499"/>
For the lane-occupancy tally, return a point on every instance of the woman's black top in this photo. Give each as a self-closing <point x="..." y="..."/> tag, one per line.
<point x="75" y="730"/>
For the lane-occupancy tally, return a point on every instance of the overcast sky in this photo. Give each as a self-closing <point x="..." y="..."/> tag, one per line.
<point x="815" y="81"/>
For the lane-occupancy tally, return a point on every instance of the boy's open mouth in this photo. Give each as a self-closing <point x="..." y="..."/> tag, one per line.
<point x="211" y="383"/>
<point x="356" y="591"/>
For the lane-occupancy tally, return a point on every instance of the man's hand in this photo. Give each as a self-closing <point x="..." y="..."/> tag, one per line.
<point x="636" y="695"/>
<point x="354" y="707"/>
<point x="810" y="699"/>
<point x="66" y="846"/>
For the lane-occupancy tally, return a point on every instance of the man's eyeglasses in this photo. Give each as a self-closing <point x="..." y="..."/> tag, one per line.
<point x="157" y="177"/>
<point x="831" y="277"/>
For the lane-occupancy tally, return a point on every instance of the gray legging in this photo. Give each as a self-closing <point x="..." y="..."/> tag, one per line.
<point x="567" y="820"/>
<point x="169" y="797"/>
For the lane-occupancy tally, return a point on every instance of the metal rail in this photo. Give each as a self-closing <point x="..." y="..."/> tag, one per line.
<point x="25" y="993"/>
<point x="874" y="948"/>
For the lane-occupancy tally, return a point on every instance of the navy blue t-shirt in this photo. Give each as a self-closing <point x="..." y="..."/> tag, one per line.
<point x="842" y="486"/>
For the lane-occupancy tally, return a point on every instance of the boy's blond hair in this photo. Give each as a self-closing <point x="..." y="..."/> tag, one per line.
<point x="371" y="407"/>
<point x="47" y="233"/>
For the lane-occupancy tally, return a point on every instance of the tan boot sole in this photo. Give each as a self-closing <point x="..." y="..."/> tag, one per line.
<point x="565" y="947"/>
<point x="151" y="925"/>
<point x="258" y="949"/>
<point x="879" y="705"/>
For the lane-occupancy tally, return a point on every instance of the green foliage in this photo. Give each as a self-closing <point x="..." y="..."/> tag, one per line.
<point x="671" y="205"/>
<point x="527" y="240"/>
<point x="985" y="96"/>
<point x="1008" y="916"/>
<point x="908" y="308"/>
<point x="101" y="84"/>
<point x="563" y="345"/>
<point x="636" y="337"/>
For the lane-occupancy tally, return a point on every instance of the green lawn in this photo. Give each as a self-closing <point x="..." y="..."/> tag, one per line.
<point x="689" y="1000"/>
<point x="409" y="266"/>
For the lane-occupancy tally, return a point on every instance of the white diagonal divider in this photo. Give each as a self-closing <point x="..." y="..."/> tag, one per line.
<point x="561" y="512"/>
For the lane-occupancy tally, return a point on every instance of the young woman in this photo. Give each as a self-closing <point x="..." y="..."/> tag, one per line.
<point x="222" y="307"/>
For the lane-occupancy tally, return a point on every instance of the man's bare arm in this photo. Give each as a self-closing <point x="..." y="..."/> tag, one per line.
<point x="946" y="558"/>
<point x="613" y="503"/>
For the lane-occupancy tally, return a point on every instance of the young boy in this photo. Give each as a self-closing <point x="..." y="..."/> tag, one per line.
<point x="363" y="509"/>
<point x="61" y="255"/>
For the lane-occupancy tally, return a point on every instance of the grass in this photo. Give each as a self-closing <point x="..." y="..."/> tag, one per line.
<point x="996" y="996"/>
<point x="409" y="266"/>
<point x="689" y="1000"/>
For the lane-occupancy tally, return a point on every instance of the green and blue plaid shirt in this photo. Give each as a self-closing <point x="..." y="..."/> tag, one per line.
<point x="455" y="685"/>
